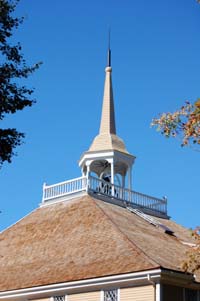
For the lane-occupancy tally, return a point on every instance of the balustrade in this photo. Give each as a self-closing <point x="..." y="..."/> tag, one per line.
<point x="101" y="187"/>
<point x="64" y="188"/>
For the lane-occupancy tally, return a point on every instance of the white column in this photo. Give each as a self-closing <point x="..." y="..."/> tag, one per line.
<point x="102" y="295"/>
<point x="82" y="171"/>
<point x="112" y="172"/>
<point x="123" y="186"/>
<point x="87" y="174"/>
<point x="44" y="194"/>
<point x="130" y="181"/>
<point x="112" y="176"/>
<point x="158" y="292"/>
<point x="88" y="169"/>
<point x="123" y="181"/>
<point x="130" y="178"/>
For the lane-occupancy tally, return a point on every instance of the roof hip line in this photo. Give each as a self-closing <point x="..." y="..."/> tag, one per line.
<point x="128" y="239"/>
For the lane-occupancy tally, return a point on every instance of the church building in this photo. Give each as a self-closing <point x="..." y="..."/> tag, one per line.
<point x="93" y="238"/>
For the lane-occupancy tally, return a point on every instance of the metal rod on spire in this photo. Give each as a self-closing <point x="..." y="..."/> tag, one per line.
<point x="109" y="50"/>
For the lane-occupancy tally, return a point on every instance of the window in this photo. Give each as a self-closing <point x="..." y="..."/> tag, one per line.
<point x="59" y="298"/>
<point x="111" y="295"/>
<point x="190" y="295"/>
<point x="175" y="293"/>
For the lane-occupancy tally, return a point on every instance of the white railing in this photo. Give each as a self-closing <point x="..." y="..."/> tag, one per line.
<point x="131" y="197"/>
<point x="64" y="188"/>
<point x="101" y="187"/>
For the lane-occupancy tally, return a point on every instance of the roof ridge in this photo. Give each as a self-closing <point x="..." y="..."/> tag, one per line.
<point x="127" y="238"/>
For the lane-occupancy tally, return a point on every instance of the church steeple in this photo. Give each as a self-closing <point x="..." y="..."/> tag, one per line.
<point x="106" y="167"/>
<point x="107" y="155"/>
<point x="107" y="138"/>
<point x="108" y="112"/>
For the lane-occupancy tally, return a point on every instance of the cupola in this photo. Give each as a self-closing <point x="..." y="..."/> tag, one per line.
<point x="106" y="167"/>
<point x="107" y="157"/>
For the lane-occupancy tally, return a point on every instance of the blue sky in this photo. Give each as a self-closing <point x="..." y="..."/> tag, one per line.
<point x="156" y="64"/>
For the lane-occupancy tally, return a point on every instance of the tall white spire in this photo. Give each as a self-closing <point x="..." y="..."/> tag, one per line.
<point x="107" y="138"/>
<point x="108" y="112"/>
<point x="107" y="155"/>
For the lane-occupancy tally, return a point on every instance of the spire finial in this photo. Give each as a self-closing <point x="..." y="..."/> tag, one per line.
<point x="109" y="50"/>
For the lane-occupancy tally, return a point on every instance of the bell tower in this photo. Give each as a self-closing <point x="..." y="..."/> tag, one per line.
<point x="106" y="168"/>
<point x="107" y="158"/>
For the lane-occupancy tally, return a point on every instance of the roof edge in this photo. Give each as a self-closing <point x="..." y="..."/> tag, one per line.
<point x="91" y="283"/>
<point x="142" y="277"/>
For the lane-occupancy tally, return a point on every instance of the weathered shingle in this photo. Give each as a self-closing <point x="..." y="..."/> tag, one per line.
<point x="83" y="238"/>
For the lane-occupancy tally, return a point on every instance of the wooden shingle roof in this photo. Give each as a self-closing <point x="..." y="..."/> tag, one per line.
<point x="84" y="238"/>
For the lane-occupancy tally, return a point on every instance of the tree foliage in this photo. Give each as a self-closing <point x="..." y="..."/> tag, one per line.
<point x="192" y="262"/>
<point x="13" y="69"/>
<point x="184" y="123"/>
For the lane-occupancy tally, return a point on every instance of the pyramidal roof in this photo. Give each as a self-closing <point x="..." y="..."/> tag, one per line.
<point x="84" y="238"/>
<point x="81" y="238"/>
<point x="107" y="138"/>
